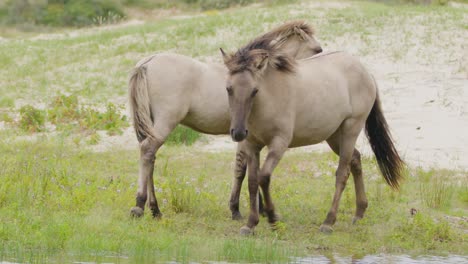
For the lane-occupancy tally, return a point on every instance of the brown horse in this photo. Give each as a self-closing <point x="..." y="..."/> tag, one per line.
<point x="169" y="89"/>
<point x="280" y="103"/>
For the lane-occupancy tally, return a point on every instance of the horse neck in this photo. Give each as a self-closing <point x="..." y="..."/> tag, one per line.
<point x="275" y="85"/>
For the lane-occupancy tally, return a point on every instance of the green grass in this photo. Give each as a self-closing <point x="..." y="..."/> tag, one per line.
<point x="61" y="203"/>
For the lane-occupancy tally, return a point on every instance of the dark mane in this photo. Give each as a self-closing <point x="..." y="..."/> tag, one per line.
<point x="289" y="28"/>
<point x="243" y="59"/>
<point x="268" y="44"/>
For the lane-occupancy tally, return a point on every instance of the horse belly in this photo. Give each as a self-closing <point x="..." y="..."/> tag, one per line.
<point x="208" y="122"/>
<point x="209" y="107"/>
<point x="314" y="133"/>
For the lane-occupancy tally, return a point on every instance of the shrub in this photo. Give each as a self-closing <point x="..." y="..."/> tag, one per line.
<point x="66" y="113"/>
<point x="31" y="119"/>
<point x="63" y="12"/>
<point x="182" y="135"/>
<point x="111" y="120"/>
<point x="63" y="109"/>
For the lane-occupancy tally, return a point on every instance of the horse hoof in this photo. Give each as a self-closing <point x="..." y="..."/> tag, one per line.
<point x="274" y="218"/>
<point x="326" y="229"/>
<point x="246" y="231"/>
<point x="236" y="216"/>
<point x="356" y="219"/>
<point x="136" y="212"/>
<point x="157" y="216"/>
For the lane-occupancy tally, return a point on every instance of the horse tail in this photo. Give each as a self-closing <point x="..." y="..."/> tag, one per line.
<point x="378" y="134"/>
<point x="140" y="103"/>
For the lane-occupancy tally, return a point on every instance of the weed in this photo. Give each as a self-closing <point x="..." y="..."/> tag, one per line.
<point x="63" y="109"/>
<point x="422" y="229"/>
<point x="435" y="190"/>
<point x="5" y="117"/>
<point x="66" y="113"/>
<point x="110" y="121"/>
<point x="182" y="135"/>
<point x="31" y="119"/>
<point x="183" y="196"/>
<point x="93" y="139"/>
<point x="6" y="102"/>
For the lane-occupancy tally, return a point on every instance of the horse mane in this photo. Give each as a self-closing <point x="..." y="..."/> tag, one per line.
<point x="290" y="28"/>
<point x="269" y="45"/>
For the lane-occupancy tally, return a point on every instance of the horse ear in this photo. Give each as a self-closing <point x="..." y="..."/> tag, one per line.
<point x="225" y="56"/>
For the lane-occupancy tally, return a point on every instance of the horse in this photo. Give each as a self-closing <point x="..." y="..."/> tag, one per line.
<point x="281" y="103"/>
<point x="169" y="89"/>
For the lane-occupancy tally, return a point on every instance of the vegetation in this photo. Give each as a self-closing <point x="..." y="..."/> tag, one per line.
<point x="182" y="135"/>
<point x="60" y="202"/>
<point x="96" y="12"/>
<point x="67" y="115"/>
<point x="32" y="119"/>
<point x="61" y="12"/>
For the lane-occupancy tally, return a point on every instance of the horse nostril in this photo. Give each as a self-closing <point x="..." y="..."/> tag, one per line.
<point x="246" y="132"/>
<point x="319" y="49"/>
<point x="232" y="132"/>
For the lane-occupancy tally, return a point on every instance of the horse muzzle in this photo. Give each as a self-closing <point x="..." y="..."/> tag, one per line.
<point x="238" y="135"/>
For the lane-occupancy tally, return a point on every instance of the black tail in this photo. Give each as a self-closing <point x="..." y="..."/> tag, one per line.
<point x="378" y="134"/>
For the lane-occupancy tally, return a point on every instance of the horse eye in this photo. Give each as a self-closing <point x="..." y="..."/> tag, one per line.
<point x="254" y="92"/>
<point x="229" y="90"/>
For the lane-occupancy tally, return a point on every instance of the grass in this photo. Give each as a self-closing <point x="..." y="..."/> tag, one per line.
<point x="59" y="203"/>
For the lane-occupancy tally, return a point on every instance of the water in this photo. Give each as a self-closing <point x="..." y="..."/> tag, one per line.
<point x="369" y="259"/>
<point x="383" y="259"/>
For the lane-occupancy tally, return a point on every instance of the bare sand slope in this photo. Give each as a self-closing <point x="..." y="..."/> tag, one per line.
<point x="423" y="84"/>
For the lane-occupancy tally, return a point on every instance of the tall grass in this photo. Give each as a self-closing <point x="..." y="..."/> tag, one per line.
<point x="59" y="203"/>
<point x="436" y="189"/>
<point x="182" y="135"/>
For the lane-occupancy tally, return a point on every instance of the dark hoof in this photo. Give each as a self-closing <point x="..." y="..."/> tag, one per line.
<point x="136" y="212"/>
<point x="246" y="231"/>
<point x="236" y="216"/>
<point x="356" y="219"/>
<point x="273" y="217"/>
<point x="326" y="229"/>
<point x="157" y="215"/>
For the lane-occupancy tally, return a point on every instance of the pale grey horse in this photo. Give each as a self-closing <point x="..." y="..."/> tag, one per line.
<point x="280" y="103"/>
<point x="169" y="89"/>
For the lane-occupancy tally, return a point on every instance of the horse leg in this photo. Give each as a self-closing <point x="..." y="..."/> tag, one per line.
<point x="347" y="136"/>
<point x="361" y="199"/>
<point x="356" y="171"/>
<point x="239" y="175"/>
<point x="275" y="153"/>
<point x="148" y="148"/>
<point x="253" y="164"/>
